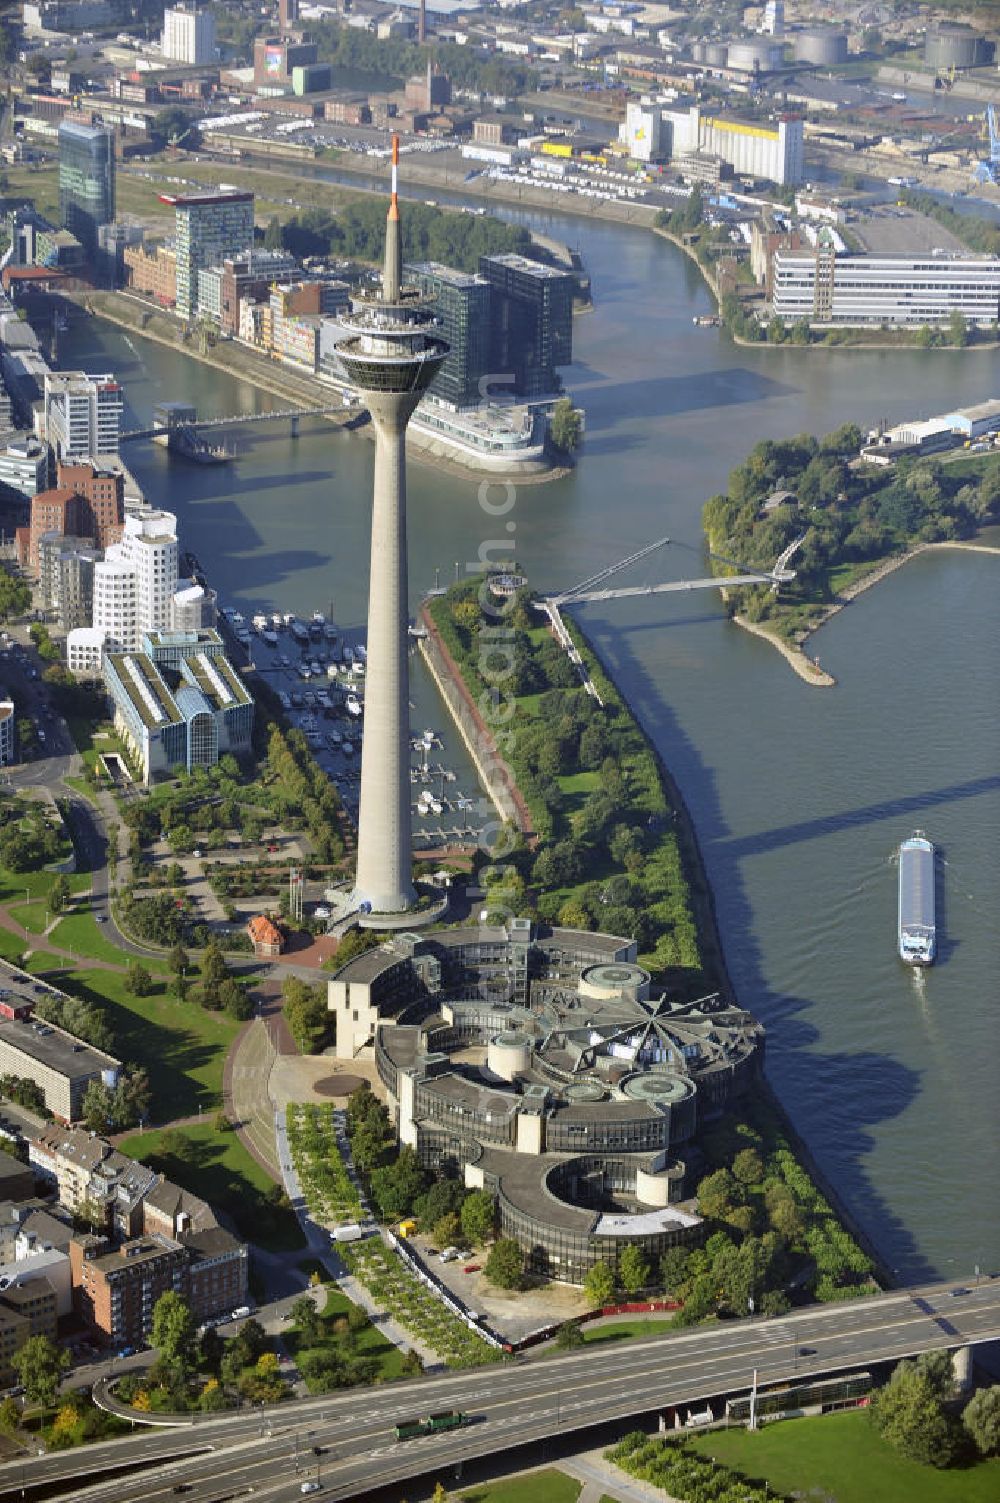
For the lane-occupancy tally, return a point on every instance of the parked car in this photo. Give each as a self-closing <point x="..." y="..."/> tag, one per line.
<point x="472" y="1268"/>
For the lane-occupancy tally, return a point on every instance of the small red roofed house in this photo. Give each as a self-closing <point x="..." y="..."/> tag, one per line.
<point x="267" y="937"/>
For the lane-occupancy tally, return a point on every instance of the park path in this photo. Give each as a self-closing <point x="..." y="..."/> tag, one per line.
<point x="601" y="1478"/>
<point x="43" y="943"/>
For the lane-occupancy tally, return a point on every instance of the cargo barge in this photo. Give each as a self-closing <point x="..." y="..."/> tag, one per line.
<point x="917" y="933"/>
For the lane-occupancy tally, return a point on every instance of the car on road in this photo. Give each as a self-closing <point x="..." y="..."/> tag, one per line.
<point x="101" y="918"/>
<point x="957" y="1293"/>
<point x="309" y="1487"/>
<point x="807" y="1351"/>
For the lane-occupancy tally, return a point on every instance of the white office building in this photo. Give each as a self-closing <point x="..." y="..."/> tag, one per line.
<point x="188" y="34"/>
<point x="826" y="288"/>
<point x="134" y="586"/>
<point x="83" y="415"/>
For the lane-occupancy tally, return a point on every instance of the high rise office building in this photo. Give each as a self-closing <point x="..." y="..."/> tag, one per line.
<point x="209" y="227"/>
<point x="86" y="180"/>
<point x="391" y="355"/>
<point x="531" y="322"/>
<point x="83" y="414"/>
<point x="462" y="303"/>
<point x="188" y="34"/>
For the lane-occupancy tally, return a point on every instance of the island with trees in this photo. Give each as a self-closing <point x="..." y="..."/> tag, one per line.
<point x="856" y="521"/>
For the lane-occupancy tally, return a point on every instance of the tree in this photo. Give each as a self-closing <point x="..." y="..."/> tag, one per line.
<point x="599" y="1286"/>
<point x="565" y="426"/>
<point x="908" y="1414"/>
<point x="97" y="1110"/>
<point x="505" y="1264"/>
<point x="39" y="1365"/>
<point x="478" y="1216"/>
<point x="633" y="1270"/>
<point x="272" y="234"/>
<point x="981" y="1418"/>
<point x="307" y="1321"/>
<point x="569" y="1336"/>
<point x="58" y="894"/>
<point x="440" y="1493"/>
<point x="717" y="1195"/>
<point x="139" y="980"/>
<point x="447" y="1229"/>
<point x="396" y="1186"/>
<point x="213" y="964"/>
<point x="412" y="1364"/>
<point x="176" y="1145"/>
<point x="673" y="1269"/>
<point x="178" y="960"/>
<point x="10" y="1415"/>
<point x="958" y="328"/>
<point x="173" y="1329"/>
<point x="747" y="1167"/>
<point x="221" y="1122"/>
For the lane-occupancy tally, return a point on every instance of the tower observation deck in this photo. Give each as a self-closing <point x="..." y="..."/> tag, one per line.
<point x="391" y="355"/>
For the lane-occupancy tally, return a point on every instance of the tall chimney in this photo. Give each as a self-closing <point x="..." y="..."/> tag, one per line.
<point x="422" y="22"/>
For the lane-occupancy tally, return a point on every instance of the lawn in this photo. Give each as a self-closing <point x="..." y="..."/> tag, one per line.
<point x="14" y="885"/>
<point x="182" y="1046"/>
<point x="841" y="1458"/>
<point x="548" y="1486"/>
<point x="369" y="1343"/>
<point x="627" y="1330"/>
<point x="11" y="945"/>
<point x="43" y="961"/>
<point x="81" y="934"/>
<point x="222" y="1171"/>
<point x="32" y="916"/>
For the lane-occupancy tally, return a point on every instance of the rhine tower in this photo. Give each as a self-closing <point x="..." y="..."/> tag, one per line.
<point x="391" y="356"/>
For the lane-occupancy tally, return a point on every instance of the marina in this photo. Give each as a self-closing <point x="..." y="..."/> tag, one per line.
<point x="291" y="653"/>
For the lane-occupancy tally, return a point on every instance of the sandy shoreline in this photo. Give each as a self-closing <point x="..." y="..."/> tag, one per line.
<point x="808" y="668"/>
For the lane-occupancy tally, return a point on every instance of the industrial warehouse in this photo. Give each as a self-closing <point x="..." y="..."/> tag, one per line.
<point x="538" y="1064"/>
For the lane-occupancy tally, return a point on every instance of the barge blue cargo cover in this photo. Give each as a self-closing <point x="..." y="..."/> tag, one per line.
<point x="917" y="934"/>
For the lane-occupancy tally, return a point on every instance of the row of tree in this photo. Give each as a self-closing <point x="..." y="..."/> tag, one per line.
<point x="357" y="232"/>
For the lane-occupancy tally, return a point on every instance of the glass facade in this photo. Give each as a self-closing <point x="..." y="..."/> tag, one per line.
<point x="531" y="322"/>
<point x="86" y="180"/>
<point x="462" y="305"/>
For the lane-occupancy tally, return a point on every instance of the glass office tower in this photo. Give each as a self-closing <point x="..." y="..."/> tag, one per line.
<point x="86" y="180"/>
<point x="462" y="304"/>
<point x="531" y="322"/>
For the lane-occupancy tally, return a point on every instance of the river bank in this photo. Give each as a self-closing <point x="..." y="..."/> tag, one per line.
<point x="808" y="668"/>
<point x="459" y="694"/>
<point x="300" y="389"/>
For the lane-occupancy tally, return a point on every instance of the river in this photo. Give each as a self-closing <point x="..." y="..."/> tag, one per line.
<point x="800" y="795"/>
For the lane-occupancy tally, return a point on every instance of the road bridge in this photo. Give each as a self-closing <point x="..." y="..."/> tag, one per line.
<point x="523" y="1401"/>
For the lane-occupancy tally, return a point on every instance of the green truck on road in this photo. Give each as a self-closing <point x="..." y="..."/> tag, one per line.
<point x="445" y="1419"/>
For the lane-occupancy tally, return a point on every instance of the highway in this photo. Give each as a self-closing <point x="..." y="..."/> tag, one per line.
<point x="271" y="1452"/>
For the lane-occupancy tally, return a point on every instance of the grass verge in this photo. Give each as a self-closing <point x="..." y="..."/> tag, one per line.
<point x="548" y="1486"/>
<point x="840" y="1457"/>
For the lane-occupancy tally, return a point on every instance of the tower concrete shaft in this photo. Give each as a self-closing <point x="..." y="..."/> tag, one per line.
<point x="391" y="356"/>
<point x="385" y="852"/>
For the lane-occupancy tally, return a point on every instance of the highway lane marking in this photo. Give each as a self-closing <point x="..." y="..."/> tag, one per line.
<point x="624" y="1365"/>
